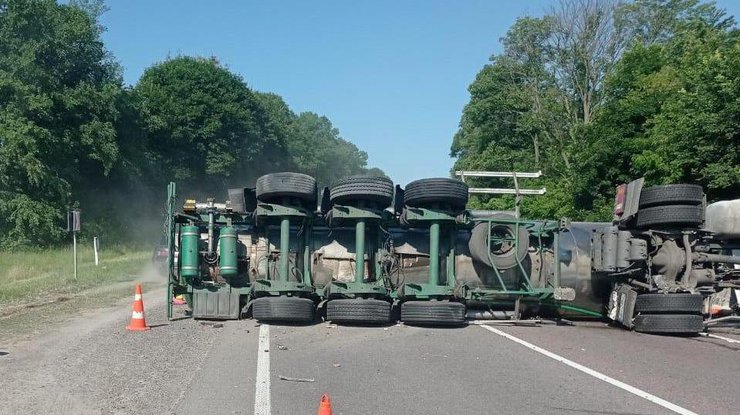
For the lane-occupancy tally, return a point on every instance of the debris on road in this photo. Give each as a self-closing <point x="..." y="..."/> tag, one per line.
<point x="285" y="378"/>
<point x="281" y="347"/>
<point x="337" y="365"/>
<point x="212" y="324"/>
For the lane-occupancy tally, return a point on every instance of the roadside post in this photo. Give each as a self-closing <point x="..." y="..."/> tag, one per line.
<point x="96" y="248"/>
<point x="73" y="225"/>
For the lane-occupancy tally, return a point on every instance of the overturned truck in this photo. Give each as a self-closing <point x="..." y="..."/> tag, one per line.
<point x="367" y="252"/>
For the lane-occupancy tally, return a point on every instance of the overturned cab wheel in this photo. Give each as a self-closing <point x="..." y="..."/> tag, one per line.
<point x="433" y="313"/>
<point x="283" y="309"/>
<point x="358" y="311"/>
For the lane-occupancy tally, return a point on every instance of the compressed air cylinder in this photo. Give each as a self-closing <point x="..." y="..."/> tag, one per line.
<point x="227" y="252"/>
<point x="189" y="238"/>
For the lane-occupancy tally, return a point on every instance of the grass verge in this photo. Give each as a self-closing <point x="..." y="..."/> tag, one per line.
<point x="39" y="285"/>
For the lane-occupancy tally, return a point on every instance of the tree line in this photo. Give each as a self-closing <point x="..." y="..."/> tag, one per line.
<point x="72" y="135"/>
<point x="597" y="93"/>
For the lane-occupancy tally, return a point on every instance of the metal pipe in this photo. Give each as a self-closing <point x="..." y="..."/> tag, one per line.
<point x="451" y="260"/>
<point x="360" y="250"/>
<point x="284" y="248"/>
<point x="306" y="254"/>
<point x="725" y="259"/>
<point x="211" y="220"/>
<point x="489" y="314"/>
<point x="434" y="253"/>
<point x="687" y="247"/>
<point x="638" y="283"/>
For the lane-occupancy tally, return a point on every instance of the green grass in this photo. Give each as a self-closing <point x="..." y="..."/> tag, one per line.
<point x="29" y="278"/>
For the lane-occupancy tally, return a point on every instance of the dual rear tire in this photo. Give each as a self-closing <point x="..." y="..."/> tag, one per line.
<point x="671" y="313"/>
<point x="358" y="311"/>
<point x="433" y="313"/>
<point x="671" y="206"/>
<point x="283" y="309"/>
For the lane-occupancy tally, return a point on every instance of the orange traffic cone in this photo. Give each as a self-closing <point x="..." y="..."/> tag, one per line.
<point x="138" y="322"/>
<point x="325" y="405"/>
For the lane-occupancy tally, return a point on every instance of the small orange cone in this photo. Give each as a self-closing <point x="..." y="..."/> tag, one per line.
<point x="138" y="322"/>
<point x="325" y="405"/>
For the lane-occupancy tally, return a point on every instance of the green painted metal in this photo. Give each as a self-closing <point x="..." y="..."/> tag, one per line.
<point x="580" y="310"/>
<point x="227" y="252"/>
<point x="434" y="253"/>
<point x="170" y="229"/>
<point x="276" y="287"/>
<point x="357" y="289"/>
<point x="425" y="291"/>
<point x="284" y="249"/>
<point x="360" y="250"/>
<point x="189" y="240"/>
<point x="307" y="253"/>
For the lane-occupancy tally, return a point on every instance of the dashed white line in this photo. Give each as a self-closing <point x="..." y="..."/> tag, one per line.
<point x="262" y="404"/>
<point x="631" y="389"/>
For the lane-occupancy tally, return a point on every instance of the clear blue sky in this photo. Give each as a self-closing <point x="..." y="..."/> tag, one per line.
<point x="391" y="75"/>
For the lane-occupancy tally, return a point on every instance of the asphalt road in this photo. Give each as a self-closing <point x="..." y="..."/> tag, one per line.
<point x="92" y="365"/>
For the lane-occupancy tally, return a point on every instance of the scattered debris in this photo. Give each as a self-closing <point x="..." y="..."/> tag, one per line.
<point x="337" y="365"/>
<point x="331" y="326"/>
<point x="296" y="379"/>
<point x="212" y="324"/>
<point x="281" y="347"/>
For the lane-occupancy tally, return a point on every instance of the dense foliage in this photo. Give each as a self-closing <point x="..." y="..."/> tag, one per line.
<point x="72" y="135"/>
<point x="597" y="93"/>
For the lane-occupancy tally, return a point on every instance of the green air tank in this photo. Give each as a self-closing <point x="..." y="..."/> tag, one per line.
<point x="189" y="239"/>
<point x="227" y="252"/>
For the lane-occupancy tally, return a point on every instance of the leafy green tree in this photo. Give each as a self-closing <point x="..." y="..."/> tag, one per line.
<point x="598" y="93"/>
<point x="204" y="126"/>
<point x="317" y="149"/>
<point x="58" y="115"/>
<point x="675" y="111"/>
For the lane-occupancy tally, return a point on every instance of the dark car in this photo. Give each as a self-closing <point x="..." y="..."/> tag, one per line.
<point x="159" y="256"/>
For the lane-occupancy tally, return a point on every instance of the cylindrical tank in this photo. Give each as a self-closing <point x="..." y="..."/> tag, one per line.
<point x="227" y="252"/>
<point x="189" y="238"/>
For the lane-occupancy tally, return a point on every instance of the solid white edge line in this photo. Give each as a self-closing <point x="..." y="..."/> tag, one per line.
<point x="262" y="405"/>
<point x="727" y="339"/>
<point x="631" y="389"/>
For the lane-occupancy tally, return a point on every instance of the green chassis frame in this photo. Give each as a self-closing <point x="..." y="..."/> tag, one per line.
<point x="442" y="226"/>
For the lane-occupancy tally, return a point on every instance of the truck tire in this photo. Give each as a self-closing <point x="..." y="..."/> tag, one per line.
<point x="671" y="194"/>
<point x="503" y="257"/>
<point x="428" y="192"/>
<point x="669" y="323"/>
<point x="363" y="188"/>
<point x="275" y="186"/>
<point x="671" y="303"/>
<point x="358" y="311"/>
<point x="670" y="216"/>
<point x="433" y="313"/>
<point x="285" y="309"/>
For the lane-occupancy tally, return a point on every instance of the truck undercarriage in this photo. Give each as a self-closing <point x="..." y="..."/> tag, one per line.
<point x="369" y="252"/>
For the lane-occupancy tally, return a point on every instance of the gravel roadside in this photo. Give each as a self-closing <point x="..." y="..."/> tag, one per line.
<point x="93" y="365"/>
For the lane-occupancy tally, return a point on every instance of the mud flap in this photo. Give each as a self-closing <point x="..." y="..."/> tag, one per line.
<point x="217" y="304"/>
<point x="622" y="305"/>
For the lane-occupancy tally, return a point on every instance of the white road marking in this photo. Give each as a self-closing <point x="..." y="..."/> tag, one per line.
<point x="598" y="375"/>
<point x="727" y="339"/>
<point x="262" y="381"/>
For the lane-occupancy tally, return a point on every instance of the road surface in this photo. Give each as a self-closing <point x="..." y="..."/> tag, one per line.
<point x="92" y="366"/>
